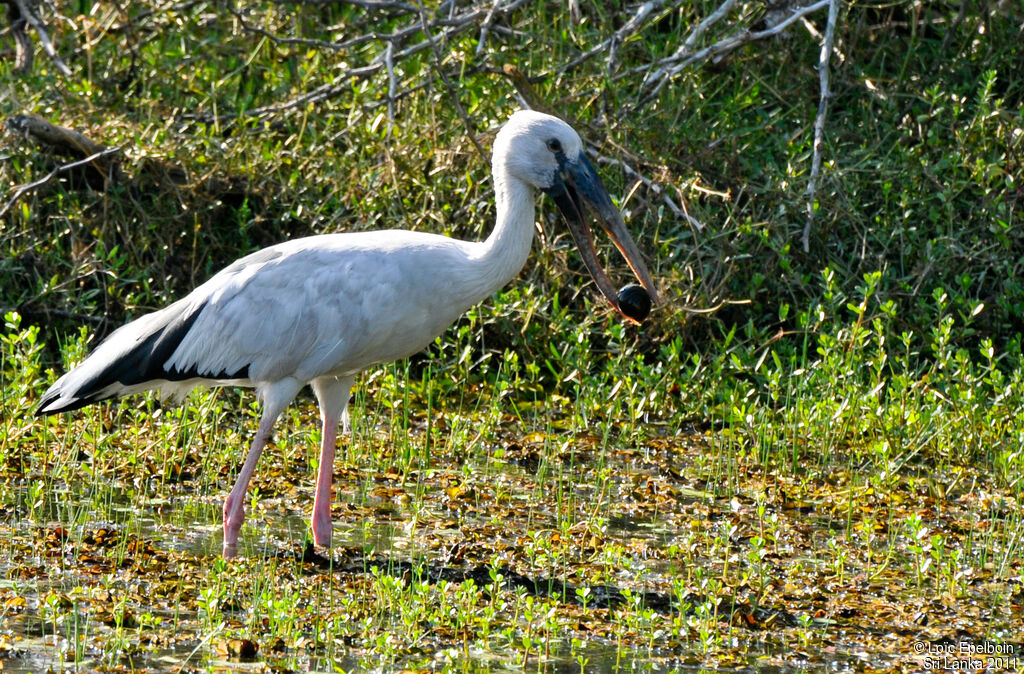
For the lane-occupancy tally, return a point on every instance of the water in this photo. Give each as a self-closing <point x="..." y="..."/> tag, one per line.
<point x="126" y="574"/>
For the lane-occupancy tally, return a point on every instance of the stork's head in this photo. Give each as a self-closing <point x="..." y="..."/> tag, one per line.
<point x="547" y="153"/>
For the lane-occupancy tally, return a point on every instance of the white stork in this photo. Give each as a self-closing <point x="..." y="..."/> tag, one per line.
<point x="319" y="310"/>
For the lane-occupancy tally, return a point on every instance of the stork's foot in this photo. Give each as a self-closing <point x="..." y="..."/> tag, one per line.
<point x="234" y="517"/>
<point x="320" y="519"/>
<point x="322" y="530"/>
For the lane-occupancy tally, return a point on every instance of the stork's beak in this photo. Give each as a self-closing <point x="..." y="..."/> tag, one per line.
<point x="577" y="183"/>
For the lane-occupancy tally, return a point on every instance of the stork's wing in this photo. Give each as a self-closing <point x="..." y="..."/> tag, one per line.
<point x="326" y="304"/>
<point x="277" y="313"/>
<point x="140" y="355"/>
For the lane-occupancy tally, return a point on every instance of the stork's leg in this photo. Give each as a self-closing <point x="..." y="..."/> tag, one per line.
<point x="275" y="398"/>
<point x="333" y="397"/>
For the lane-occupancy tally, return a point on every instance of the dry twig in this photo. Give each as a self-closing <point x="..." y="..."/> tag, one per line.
<point x="708" y="21"/>
<point x="22" y="44"/>
<point x="29" y="16"/>
<point x="485" y="28"/>
<point x="630" y="28"/>
<point x="389" y="63"/>
<point x="441" y="28"/>
<point x="57" y="137"/>
<point x="64" y="168"/>
<point x="373" y="5"/>
<point x="667" y="68"/>
<point x="819" y="121"/>
<point x="654" y="187"/>
<point x="525" y="93"/>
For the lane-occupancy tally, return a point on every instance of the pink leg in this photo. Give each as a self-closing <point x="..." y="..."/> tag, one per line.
<point x="333" y="397"/>
<point x="321" y="519"/>
<point x="275" y="398"/>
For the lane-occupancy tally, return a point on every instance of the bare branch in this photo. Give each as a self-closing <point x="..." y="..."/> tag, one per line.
<point x="277" y="39"/>
<point x="819" y="121"/>
<point x="44" y="38"/>
<point x="525" y="93"/>
<point x="446" y="27"/>
<point x="691" y="40"/>
<point x="629" y="29"/>
<point x="485" y="27"/>
<point x="24" y="189"/>
<point x="708" y="21"/>
<point x="654" y="187"/>
<point x="37" y="128"/>
<point x="439" y="68"/>
<point x="389" y="63"/>
<point x="668" y="67"/>
<point x="22" y="43"/>
<point x="375" y="5"/>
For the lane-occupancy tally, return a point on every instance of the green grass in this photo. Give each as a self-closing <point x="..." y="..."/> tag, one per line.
<point x="820" y="466"/>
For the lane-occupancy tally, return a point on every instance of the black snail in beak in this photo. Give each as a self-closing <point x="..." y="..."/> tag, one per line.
<point x="577" y="183"/>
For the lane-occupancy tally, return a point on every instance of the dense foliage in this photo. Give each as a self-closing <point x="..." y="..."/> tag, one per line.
<point x="222" y="152"/>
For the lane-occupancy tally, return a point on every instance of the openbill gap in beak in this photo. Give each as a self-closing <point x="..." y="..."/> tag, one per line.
<point x="577" y="183"/>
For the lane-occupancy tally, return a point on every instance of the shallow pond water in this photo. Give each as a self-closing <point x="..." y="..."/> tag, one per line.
<point x="593" y="560"/>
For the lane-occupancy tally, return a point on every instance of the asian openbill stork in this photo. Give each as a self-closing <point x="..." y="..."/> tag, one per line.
<point x="320" y="309"/>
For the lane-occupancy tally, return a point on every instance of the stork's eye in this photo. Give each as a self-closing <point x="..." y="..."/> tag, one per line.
<point x="555" y="145"/>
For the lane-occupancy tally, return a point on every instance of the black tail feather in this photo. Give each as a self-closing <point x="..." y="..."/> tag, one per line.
<point x="133" y="355"/>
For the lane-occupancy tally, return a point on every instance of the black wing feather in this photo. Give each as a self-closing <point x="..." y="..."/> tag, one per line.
<point x="144" y="362"/>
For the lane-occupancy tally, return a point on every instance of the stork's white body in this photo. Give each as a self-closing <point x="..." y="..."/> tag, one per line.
<point x="323" y="306"/>
<point x="319" y="310"/>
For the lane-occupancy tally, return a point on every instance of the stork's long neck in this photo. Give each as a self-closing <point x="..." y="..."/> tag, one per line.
<point x="503" y="254"/>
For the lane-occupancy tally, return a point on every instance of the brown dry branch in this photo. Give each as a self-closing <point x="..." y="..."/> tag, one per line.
<point x="527" y="95"/>
<point x="67" y="141"/>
